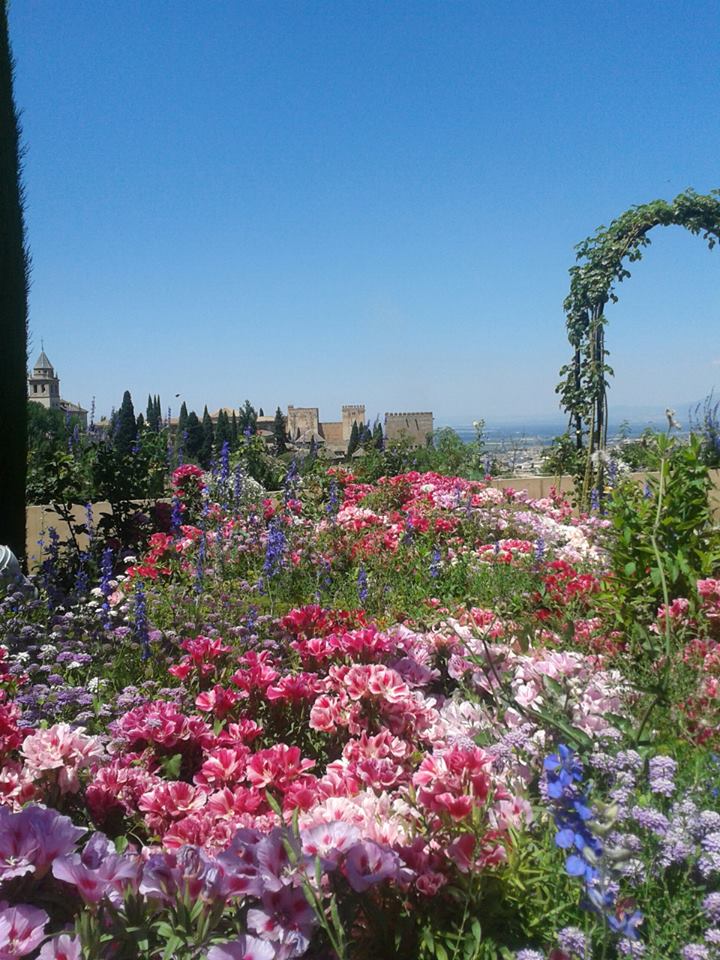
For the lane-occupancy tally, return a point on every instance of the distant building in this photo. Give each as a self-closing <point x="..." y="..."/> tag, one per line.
<point x="304" y="426"/>
<point x="413" y="426"/>
<point x="44" y="388"/>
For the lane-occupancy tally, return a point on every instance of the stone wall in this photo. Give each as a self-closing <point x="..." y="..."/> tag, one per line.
<point x="414" y="426"/>
<point x="333" y="433"/>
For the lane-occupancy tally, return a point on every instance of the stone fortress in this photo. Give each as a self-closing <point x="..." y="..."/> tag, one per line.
<point x="304" y="427"/>
<point x="44" y="388"/>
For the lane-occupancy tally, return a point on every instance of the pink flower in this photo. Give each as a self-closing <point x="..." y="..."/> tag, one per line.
<point x="169" y="801"/>
<point x="245" y="948"/>
<point x="225" y="765"/>
<point x="219" y="701"/>
<point x="64" y="749"/>
<point x="22" y="929"/>
<point x="277" y="766"/>
<point x="64" y="947"/>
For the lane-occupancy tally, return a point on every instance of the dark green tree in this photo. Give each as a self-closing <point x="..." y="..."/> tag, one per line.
<point x="195" y="436"/>
<point x="153" y="414"/>
<point x="140" y="423"/>
<point x="247" y="422"/>
<point x="125" y="432"/>
<point x="279" y="432"/>
<point x="234" y="431"/>
<point x="14" y="272"/>
<point x="206" y="450"/>
<point x="223" y="432"/>
<point x="182" y="419"/>
<point x="354" y="439"/>
<point x="378" y="439"/>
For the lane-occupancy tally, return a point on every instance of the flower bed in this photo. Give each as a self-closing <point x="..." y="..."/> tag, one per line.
<point x="399" y="719"/>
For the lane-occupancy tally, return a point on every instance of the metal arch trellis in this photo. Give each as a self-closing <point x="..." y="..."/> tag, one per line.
<point x="603" y="258"/>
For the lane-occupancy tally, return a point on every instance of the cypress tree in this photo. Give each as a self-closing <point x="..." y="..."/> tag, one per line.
<point x="183" y="419"/>
<point x="158" y="413"/>
<point x="206" y="450"/>
<point x="279" y="432"/>
<point x="14" y="272"/>
<point x="378" y="439"/>
<point x="222" y="431"/>
<point x="354" y="439"/>
<point x="150" y="411"/>
<point x="195" y="436"/>
<point x="248" y="418"/>
<point x="234" y="430"/>
<point x="126" y="428"/>
<point x="140" y="424"/>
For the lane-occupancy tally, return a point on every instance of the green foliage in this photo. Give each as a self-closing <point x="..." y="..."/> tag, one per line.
<point x="641" y="454"/>
<point x="562" y="457"/>
<point x="664" y="539"/>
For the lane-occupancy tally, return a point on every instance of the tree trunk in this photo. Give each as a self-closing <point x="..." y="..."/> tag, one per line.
<point x="14" y="266"/>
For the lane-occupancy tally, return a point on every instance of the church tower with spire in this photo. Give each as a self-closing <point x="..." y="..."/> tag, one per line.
<point x="44" y="388"/>
<point x="44" y="384"/>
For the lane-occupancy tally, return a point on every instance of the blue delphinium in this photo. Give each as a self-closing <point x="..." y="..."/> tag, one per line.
<point x="331" y="507"/>
<point x="176" y="517"/>
<point x="106" y="589"/>
<point x="274" y="549"/>
<point x="82" y="579"/>
<point x="225" y="462"/>
<point x="362" y="585"/>
<point x="141" y="623"/>
<point x="435" y="563"/>
<point x="539" y="549"/>
<point x="578" y="834"/>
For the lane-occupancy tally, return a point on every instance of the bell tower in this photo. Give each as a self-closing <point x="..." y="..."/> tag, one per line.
<point x="44" y="384"/>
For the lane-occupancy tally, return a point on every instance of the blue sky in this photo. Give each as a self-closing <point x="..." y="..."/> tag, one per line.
<point x="321" y="203"/>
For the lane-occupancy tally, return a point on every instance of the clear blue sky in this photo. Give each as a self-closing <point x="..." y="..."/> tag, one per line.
<point x="331" y="202"/>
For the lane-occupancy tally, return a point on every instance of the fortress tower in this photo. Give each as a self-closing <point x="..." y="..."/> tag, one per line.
<point x="351" y="413"/>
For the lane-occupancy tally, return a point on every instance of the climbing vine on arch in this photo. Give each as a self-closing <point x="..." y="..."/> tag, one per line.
<point x="602" y="263"/>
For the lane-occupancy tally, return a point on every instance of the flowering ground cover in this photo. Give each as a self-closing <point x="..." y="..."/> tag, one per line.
<point x="418" y="718"/>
